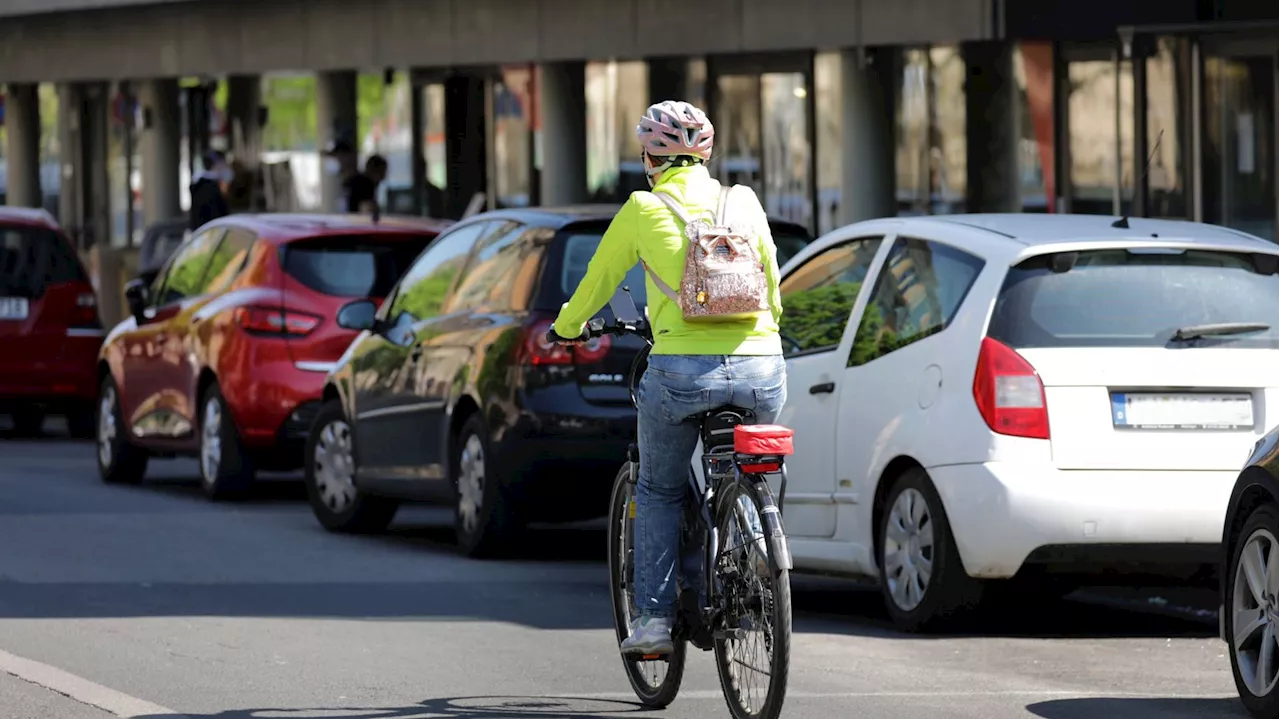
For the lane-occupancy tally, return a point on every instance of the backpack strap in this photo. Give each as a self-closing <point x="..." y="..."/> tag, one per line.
<point x="679" y="212"/>
<point x="672" y="205"/>
<point x="724" y="203"/>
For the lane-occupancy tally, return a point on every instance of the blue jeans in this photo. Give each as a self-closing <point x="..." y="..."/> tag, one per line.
<point x="671" y="389"/>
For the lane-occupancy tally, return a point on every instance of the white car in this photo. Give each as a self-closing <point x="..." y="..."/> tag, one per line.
<point x="984" y="397"/>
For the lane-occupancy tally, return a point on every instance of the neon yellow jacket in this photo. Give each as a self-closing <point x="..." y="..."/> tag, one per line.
<point x="646" y="228"/>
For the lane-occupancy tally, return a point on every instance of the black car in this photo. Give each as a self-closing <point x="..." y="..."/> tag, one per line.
<point x="1247" y="617"/>
<point x="450" y="395"/>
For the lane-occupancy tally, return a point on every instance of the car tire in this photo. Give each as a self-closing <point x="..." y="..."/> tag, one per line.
<point x="226" y="470"/>
<point x="1259" y="527"/>
<point x="913" y="529"/>
<point x="484" y="520"/>
<point x="330" y="459"/>
<point x="82" y="422"/>
<point x="119" y="460"/>
<point x="28" y="422"/>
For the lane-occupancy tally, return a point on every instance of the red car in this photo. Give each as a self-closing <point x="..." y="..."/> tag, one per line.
<point x="226" y="352"/>
<point x="49" y="327"/>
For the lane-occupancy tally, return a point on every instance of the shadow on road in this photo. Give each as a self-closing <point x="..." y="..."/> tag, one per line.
<point x="499" y="707"/>
<point x="1138" y="708"/>
<point x="842" y="607"/>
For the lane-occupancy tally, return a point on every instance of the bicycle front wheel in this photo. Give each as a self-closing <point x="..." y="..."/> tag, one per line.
<point x="655" y="682"/>
<point x="753" y="646"/>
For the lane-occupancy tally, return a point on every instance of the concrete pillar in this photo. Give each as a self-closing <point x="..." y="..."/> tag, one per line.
<point x="22" y="123"/>
<point x="244" y="97"/>
<point x="668" y="79"/>
<point x="466" y="147"/>
<point x="160" y="146"/>
<point x="335" y="118"/>
<point x="991" y="127"/>
<point x="868" y="184"/>
<point x="563" y="108"/>
<point x="71" y="195"/>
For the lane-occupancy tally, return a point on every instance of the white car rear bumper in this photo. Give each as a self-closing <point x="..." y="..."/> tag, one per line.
<point x="1001" y="512"/>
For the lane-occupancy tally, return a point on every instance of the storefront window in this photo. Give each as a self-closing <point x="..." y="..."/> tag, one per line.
<point x="512" y="136"/>
<point x="913" y="134"/>
<point x="1033" y="70"/>
<point x="786" y="147"/>
<point x="617" y="94"/>
<point x="1100" y="129"/>
<point x="829" y="103"/>
<point x="738" y="156"/>
<point x="1239" y="166"/>
<point x="931" y="143"/>
<point x="124" y="171"/>
<point x="1168" y="112"/>
<point x="948" y="146"/>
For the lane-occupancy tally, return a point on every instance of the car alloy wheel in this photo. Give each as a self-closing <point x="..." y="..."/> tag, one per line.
<point x="107" y="428"/>
<point x="211" y="440"/>
<point x="471" y="479"/>
<point x="335" y="466"/>
<point x="1253" y="607"/>
<point x="908" y="549"/>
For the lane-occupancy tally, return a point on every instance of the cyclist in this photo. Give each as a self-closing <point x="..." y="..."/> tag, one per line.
<point x="693" y="367"/>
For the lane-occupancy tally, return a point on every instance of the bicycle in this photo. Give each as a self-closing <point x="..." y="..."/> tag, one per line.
<point x="749" y="586"/>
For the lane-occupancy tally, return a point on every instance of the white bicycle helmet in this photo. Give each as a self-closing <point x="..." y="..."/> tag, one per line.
<point x="673" y="128"/>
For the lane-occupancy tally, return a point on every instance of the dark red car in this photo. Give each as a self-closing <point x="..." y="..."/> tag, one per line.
<point x="49" y="327"/>
<point x="226" y="351"/>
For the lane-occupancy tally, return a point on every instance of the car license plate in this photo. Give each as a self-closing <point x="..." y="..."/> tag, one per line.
<point x="13" y="308"/>
<point x="1193" y="410"/>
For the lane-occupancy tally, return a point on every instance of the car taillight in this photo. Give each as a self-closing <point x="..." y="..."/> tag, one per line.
<point x="540" y="352"/>
<point x="1009" y="393"/>
<point x="276" y="321"/>
<point x="85" y="314"/>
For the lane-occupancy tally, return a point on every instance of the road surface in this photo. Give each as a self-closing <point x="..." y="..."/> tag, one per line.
<point x="151" y="602"/>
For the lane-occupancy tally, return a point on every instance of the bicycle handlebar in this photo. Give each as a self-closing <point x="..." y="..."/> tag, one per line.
<point x="597" y="327"/>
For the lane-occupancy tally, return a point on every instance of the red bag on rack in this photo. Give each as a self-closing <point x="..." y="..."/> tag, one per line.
<point x="762" y="439"/>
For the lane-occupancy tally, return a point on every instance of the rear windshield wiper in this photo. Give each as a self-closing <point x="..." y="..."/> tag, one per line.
<point x="1218" y="329"/>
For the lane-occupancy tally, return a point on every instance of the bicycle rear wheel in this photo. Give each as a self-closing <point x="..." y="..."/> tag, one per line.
<point x="755" y="637"/>
<point x="655" y="682"/>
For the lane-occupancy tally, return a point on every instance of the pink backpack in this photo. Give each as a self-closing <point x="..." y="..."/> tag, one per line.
<point x="724" y="277"/>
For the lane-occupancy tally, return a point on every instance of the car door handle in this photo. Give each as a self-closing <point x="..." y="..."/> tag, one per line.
<point x="824" y="388"/>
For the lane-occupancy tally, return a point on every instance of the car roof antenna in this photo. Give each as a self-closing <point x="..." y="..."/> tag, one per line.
<point x="1123" y="222"/>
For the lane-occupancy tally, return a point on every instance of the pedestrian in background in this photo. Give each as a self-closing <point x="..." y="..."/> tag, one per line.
<point x="362" y="190"/>
<point x="209" y="191"/>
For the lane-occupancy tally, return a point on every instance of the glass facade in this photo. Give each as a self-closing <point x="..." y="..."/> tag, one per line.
<point x="617" y="95"/>
<point x="1239" y="164"/>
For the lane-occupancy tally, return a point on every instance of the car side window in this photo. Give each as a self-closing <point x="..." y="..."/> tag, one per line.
<point x="184" y="276"/>
<point x="424" y="288"/>
<point x="917" y="294"/>
<point x="490" y="279"/>
<point x="818" y="296"/>
<point x="227" y="260"/>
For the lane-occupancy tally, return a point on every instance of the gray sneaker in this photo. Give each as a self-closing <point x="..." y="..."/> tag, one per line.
<point x="649" y="635"/>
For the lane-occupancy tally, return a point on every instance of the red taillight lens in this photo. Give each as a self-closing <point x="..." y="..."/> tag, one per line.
<point x="275" y="321"/>
<point x="85" y="313"/>
<point x="540" y="352"/>
<point x="1009" y="393"/>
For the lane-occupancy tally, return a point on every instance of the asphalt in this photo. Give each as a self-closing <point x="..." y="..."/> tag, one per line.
<point x="150" y="601"/>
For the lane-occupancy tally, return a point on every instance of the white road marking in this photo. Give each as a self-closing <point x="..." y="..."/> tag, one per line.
<point x="81" y="689"/>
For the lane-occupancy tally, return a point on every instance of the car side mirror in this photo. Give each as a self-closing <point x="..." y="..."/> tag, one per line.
<point x="359" y="315"/>
<point x="135" y="295"/>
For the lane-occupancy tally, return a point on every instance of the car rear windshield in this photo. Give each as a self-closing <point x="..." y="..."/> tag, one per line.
<point x="31" y="258"/>
<point x="1135" y="298"/>
<point x="353" y="266"/>
<point x="581" y="247"/>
